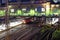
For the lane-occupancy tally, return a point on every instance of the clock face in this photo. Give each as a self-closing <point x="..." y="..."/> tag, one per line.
<point x="55" y="1"/>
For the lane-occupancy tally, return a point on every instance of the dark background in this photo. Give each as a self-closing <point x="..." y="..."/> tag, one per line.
<point x="4" y="1"/>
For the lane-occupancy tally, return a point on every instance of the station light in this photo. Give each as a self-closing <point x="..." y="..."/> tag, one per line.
<point x="57" y="5"/>
<point x="12" y="10"/>
<point x="9" y="6"/>
<point x="24" y="9"/>
<point x="52" y="6"/>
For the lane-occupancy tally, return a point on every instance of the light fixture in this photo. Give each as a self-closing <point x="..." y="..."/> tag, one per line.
<point x="24" y="9"/>
<point x="9" y="6"/>
<point x="12" y="10"/>
<point x="52" y="6"/>
<point x="57" y="5"/>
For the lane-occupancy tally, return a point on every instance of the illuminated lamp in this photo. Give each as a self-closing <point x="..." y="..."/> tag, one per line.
<point x="24" y="9"/>
<point x="9" y="6"/>
<point x="12" y="10"/>
<point x="57" y="5"/>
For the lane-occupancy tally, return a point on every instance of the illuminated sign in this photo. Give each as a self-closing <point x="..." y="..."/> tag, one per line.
<point x="12" y="10"/>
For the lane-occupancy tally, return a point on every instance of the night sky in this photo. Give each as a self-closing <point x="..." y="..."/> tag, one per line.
<point x="3" y="1"/>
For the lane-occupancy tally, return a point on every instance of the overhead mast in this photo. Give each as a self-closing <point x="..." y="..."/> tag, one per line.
<point x="7" y="20"/>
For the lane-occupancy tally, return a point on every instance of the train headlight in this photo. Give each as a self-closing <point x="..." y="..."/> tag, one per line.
<point x="24" y="21"/>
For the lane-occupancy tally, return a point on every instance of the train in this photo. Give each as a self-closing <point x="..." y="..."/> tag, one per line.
<point x="27" y="20"/>
<point x="20" y="13"/>
<point x="30" y="12"/>
<point x="30" y="20"/>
